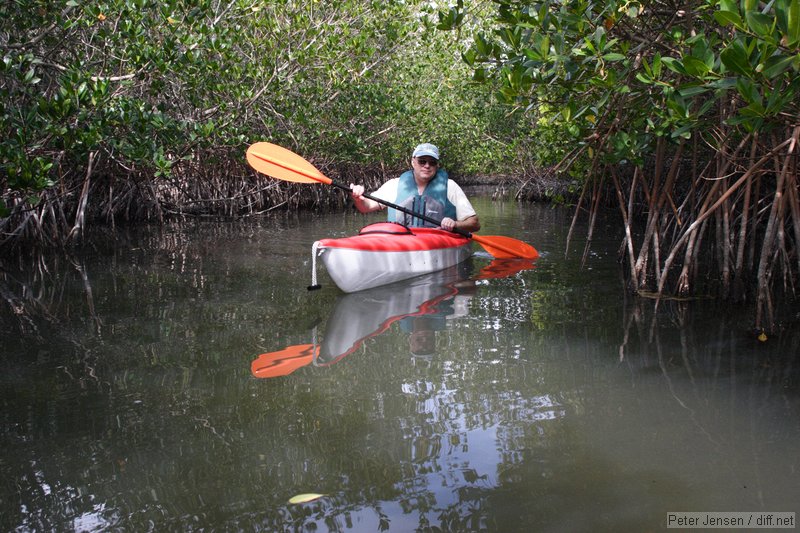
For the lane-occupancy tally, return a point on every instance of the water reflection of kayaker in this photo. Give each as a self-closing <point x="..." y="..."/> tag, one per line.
<point x="425" y="189"/>
<point x="422" y="328"/>
<point x="421" y="335"/>
<point x="422" y="306"/>
<point x="365" y="314"/>
<point x="362" y="315"/>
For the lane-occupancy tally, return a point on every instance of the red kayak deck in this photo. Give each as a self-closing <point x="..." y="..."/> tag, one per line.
<point x="394" y="237"/>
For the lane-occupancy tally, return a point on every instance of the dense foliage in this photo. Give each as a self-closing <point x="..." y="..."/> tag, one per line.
<point x="688" y="113"/>
<point x="130" y="109"/>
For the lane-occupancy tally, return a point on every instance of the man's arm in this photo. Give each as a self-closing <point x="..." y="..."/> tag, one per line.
<point x="469" y="224"/>
<point x="364" y="205"/>
<point x="469" y="221"/>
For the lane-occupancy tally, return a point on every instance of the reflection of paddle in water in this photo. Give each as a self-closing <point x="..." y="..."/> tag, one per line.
<point x="284" y="362"/>
<point x="421" y="305"/>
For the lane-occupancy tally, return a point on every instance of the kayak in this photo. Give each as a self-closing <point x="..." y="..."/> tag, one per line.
<point x="388" y="252"/>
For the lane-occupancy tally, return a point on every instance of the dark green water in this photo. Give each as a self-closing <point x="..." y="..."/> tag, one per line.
<point x="545" y="401"/>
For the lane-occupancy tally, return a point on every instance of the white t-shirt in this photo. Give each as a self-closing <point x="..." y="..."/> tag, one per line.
<point x="456" y="196"/>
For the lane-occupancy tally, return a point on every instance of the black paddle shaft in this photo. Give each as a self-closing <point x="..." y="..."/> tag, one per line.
<point x="426" y="218"/>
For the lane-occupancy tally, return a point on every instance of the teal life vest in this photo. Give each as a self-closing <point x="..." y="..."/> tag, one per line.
<point x="432" y="203"/>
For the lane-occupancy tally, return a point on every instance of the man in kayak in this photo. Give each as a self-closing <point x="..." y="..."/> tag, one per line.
<point x="425" y="189"/>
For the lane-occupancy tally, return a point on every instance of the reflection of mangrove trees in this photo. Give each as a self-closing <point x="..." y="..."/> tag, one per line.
<point x="136" y="368"/>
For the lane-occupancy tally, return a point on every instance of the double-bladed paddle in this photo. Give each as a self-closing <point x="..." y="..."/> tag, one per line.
<point x="283" y="164"/>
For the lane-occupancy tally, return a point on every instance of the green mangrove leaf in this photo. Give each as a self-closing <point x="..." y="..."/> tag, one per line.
<point x="787" y="15"/>
<point x="735" y="58"/>
<point x="469" y="57"/>
<point x="688" y="91"/>
<point x="483" y="46"/>
<point x="793" y="22"/>
<point x="729" y="17"/>
<point x="695" y="67"/>
<point x="675" y="65"/>
<point x="657" y="65"/>
<point x="778" y="100"/>
<point x="544" y="45"/>
<point x="646" y="67"/>
<point x="760" y="23"/>
<point x="684" y="131"/>
<point x="754" y="110"/>
<point x="723" y="83"/>
<point x="748" y="90"/>
<point x="776" y="65"/>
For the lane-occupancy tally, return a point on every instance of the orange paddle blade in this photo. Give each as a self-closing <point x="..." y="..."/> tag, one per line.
<point x="283" y="362"/>
<point x="506" y="247"/>
<point x="283" y="164"/>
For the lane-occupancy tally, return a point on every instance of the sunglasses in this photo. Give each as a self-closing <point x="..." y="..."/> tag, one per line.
<point x="427" y="162"/>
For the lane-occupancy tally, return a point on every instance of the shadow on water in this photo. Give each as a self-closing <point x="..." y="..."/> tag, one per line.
<point x="550" y="401"/>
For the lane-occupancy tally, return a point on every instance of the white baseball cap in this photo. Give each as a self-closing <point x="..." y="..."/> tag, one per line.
<point x="426" y="149"/>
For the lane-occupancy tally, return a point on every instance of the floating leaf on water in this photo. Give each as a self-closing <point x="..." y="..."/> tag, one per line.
<point x="304" y="498"/>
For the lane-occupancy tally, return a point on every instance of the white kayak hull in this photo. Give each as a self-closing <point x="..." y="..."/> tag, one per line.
<point x="378" y="256"/>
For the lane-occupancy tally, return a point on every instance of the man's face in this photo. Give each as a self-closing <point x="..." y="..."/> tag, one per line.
<point x="424" y="167"/>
